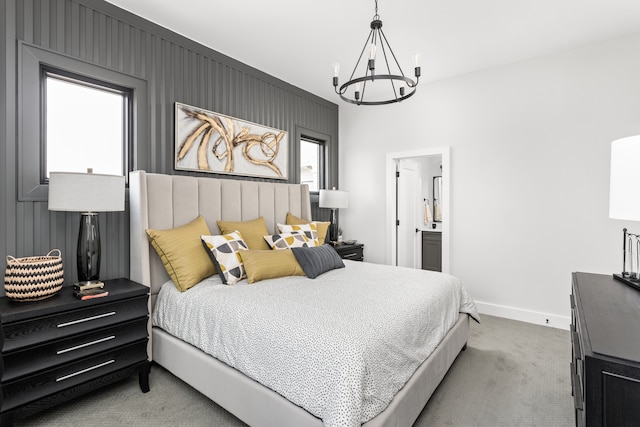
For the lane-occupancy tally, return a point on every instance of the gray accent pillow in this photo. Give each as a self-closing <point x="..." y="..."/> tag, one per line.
<point x="317" y="259"/>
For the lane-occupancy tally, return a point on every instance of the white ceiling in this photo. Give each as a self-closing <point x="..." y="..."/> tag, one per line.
<point x="299" y="40"/>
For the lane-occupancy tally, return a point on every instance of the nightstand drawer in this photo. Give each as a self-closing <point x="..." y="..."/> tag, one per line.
<point x="355" y="255"/>
<point x="39" y="358"/>
<point x="38" y="386"/>
<point x="351" y="252"/>
<point x="38" y="330"/>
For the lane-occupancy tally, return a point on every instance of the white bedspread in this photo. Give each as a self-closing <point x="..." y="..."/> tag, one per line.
<point x="340" y="346"/>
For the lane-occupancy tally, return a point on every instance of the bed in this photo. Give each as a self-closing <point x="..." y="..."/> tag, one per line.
<point x="166" y="201"/>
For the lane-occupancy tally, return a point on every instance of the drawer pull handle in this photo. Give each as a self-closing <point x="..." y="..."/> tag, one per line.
<point x="87" y="344"/>
<point x="66" y="377"/>
<point x="86" y="319"/>
<point x="351" y="255"/>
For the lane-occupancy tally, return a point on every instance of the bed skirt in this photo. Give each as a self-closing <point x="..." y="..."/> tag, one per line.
<point x="260" y="406"/>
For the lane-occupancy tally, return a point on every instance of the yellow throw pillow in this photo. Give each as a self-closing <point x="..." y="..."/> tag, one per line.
<point x="253" y="231"/>
<point x="182" y="254"/>
<point x="322" y="226"/>
<point x="262" y="265"/>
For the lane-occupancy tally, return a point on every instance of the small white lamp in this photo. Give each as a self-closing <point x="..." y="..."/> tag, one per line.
<point x="624" y="200"/>
<point x="87" y="193"/>
<point x="334" y="200"/>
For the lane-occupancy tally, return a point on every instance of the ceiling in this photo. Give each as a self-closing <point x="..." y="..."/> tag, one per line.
<point x="299" y="40"/>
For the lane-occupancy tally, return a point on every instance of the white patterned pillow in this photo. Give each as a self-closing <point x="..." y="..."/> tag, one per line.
<point x="295" y="239"/>
<point x="223" y="250"/>
<point x="310" y="230"/>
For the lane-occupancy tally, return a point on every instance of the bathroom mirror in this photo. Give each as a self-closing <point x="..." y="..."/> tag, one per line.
<point x="437" y="194"/>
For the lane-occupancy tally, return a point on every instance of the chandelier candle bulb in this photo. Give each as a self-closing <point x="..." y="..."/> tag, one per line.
<point x="372" y="57"/>
<point x="336" y="73"/>
<point x="372" y="51"/>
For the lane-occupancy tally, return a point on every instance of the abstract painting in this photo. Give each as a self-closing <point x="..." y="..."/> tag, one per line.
<point x="210" y="142"/>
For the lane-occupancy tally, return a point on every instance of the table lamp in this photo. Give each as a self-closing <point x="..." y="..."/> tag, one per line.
<point x="334" y="200"/>
<point x="87" y="193"/>
<point x="624" y="202"/>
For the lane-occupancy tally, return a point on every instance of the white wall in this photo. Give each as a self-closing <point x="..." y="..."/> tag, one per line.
<point x="529" y="171"/>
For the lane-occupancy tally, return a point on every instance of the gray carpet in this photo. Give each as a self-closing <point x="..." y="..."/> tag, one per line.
<point x="512" y="374"/>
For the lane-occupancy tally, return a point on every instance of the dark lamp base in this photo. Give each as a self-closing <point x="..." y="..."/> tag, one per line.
<point x="88" y="256"/>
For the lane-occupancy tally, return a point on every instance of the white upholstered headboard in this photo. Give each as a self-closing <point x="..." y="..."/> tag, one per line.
<point x="166" y="201"/>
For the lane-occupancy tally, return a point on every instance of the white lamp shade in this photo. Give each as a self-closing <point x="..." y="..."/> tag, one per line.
<point x="85" y="192"/>
<point x="624" y="193"/>
<point x="334" y="199"/>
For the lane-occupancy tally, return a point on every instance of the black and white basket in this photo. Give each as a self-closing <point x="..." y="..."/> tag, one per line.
<point x="34" y="278"/>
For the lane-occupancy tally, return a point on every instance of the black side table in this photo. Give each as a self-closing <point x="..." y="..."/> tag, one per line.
<point x="62" y="347"/>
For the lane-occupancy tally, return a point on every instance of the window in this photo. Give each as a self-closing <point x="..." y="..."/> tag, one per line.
<point x="317" y="160"/>
<point x="35" y="67"/>
<point x="86" y="124"/>
<point x="312" y="164"/>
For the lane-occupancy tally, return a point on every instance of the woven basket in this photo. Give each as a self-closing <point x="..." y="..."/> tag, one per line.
<point x="34" y="278"/>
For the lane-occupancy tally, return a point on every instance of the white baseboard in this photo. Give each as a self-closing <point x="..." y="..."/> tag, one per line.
<point x="522" y="315"/>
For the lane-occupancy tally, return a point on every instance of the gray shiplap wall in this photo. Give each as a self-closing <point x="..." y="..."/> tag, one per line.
<point x="175" y="69"/>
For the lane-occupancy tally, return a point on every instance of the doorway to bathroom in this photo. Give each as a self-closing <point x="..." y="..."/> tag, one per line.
<point x="417" y="203"/>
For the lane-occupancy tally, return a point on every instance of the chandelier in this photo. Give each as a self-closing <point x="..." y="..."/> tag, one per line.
<point x="396" y="91"/>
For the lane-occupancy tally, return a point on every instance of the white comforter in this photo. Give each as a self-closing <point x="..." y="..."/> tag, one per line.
<point x="340" y="346"/>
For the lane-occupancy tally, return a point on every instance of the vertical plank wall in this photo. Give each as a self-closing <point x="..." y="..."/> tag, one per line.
<point x="175" y="69"/>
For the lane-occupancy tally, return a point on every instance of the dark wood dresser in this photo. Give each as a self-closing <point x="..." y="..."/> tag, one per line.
<point x="59" y="348"/>
<point x="605" y="366"/>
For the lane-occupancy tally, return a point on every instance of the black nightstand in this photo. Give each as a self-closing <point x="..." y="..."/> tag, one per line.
<point x="350" y="252"/>
<point x="56" y="349"/>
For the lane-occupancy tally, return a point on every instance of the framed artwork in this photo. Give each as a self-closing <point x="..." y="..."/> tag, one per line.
<point x="210" y="142"/>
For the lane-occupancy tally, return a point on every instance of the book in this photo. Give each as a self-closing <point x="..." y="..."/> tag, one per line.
<point x="91" y="293"/>
<point x="79" y="287"/>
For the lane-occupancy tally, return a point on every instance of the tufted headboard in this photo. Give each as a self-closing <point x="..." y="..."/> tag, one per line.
<point x="166" y="201"/>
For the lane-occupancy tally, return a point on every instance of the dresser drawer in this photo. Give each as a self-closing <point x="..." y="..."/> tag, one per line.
<point x="577" y="347"/>
<point x="34" y="387"/>
<point x="26" y="333"/>
<point x="33" y="359"/>
<point x="578" y="396"/>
